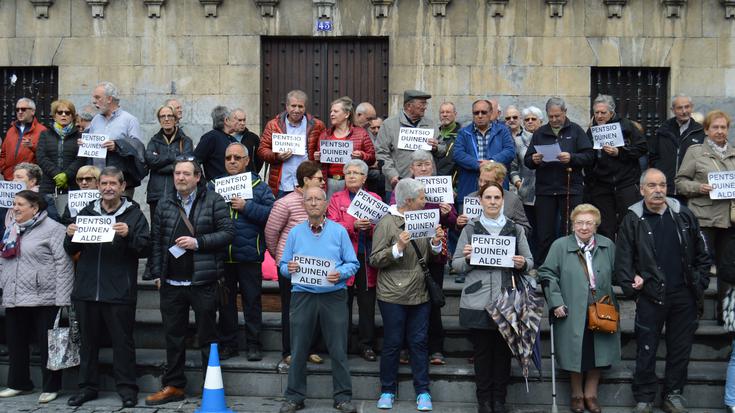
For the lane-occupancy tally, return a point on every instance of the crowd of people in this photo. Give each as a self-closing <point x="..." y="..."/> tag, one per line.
<point x="586" y="211"/>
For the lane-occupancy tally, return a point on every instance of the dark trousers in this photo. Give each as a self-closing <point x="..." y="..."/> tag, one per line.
<point x="492" y="365"/>
<point x="152" y="209"/>
<point x="436" y="328"/>
<point x="532" y="237"/>
<point x="679" y="315"/>
<point x="411" y="322"/>
<point x="175" y="304"/>
<point x="25" y="325"/>
<point x="245" y="278"/>
<point x="328" y="310"/>
<point x="717" y="241"/>
<point x="613" y="203"/>
<point x="284" y="287"/>
<point x="119" y="319"/>
<point x="552" y="218"/>
<point x="365" y="306"/>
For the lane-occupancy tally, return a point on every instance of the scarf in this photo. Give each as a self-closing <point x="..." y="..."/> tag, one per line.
<point x="493" y="226"/>
<point x="63" y="131"/>
<point x="13" y="234"/>
<point x="720" y="150"/>
<point x="586" y="251"/>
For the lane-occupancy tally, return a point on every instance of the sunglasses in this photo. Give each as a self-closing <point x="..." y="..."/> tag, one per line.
<point x="318" y="178"/>
<point x="86" y="179"/>
<point x="22" y="109"/>
<point x="235" y="157"/>
<point x="480" y="112"/>
<point x="511" y="117"/>
<point x="63" y="112"/>
<point x="530" y="119"/>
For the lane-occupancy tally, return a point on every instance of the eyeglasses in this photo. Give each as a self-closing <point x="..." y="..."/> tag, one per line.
<point x="511" y="117"/>
<point x="182" y="158"/>
<point x="530" y="119"/>
<point x="584" y="224"/>
<point x="63" y="112"/>
<point x="86" y="178"/>
<point x="318" y="178"/>
<point x="235" y="157"/>
<point x="480" y="112"/>
<point x="166" y="117"/>
<point x="22" y="109"/>
<point x="349" y="173"/>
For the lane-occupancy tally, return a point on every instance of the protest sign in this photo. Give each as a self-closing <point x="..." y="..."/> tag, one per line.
<point x="423" y="223"/>
<point x="94" y="229"/>
<point x="471" y="207"/>
<point x="610" y="134"/>
<point x="413" y="139"/>
<point x="79" y="199"/>
<point x="335" y="151"/>
<point x="234" y="186"/>
<point x="723" y="184"/>
<point x="493" y="250"/>
<point x="438" y="189"/>
<point x="365" y="206"/>
<point x="312" y="271"/>
<point x="282" y="143"/>
<point x="91" y="146"/>
<point x="8" y="189"/>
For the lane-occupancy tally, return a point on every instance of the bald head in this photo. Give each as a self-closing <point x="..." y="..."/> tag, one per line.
<point x="364" y="113"/>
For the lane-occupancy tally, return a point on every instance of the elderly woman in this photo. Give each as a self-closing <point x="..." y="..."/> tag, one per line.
<point x="362" y="285"/>
<point x="402" y="293"/>
<point x="160" y="154"/>
<point x="485" y="284"/>
<point x="30" y="174"/>
<point x="342" y="118"/>
<point x="87" y="178"/>
<point x="36" y="282"/>
<point x="578" y="271"/>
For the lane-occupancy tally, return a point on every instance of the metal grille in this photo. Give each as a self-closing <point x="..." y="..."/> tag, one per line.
<point x="38" y="83"/>
<point x="640" y="93"/>
<point x="325" y="69"/>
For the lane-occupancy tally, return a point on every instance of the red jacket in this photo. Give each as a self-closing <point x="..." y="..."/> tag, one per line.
<point x="314" y="128"/>
<point x="360" y="142"/>
<point x="14" y="152"/>
<point x="337" y="212"/>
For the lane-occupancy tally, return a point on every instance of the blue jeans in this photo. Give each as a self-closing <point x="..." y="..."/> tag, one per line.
<point x="411" y="322"/>
<point x="730" y="381"/>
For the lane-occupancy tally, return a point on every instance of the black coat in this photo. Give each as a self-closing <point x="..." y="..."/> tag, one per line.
<point x="667" y="148"/>
<point x="252" y="141"/>
<point x="213" y="230"/>
<point x="622" y="170"/>
<point x="160" y="158"/>
<point x="108" y="272"/>
<point x="55" y="156"/>
<point x="210" y="152"/>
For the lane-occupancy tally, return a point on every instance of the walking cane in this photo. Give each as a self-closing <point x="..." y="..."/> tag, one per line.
<point x="554" y="409"/>
<point x="569" y="189"/>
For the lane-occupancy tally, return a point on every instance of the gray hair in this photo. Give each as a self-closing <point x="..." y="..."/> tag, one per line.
<point x="681" y="96"/>
<point x="29" y="101"/>
<point x="110" y="90"/>
<point x="513" y="107"/>
<point x="358" y="163"/>
<point x="645" y="173"/>
<point x="33" y="170"/>
<point x="324" y="194"/>
<point x="169" y="100"/>
<point x="556" y="101"/>
<point x="114" y="172"/>
<point x="219" y="113"/>
<point x="606" y="99"/>
<point x="533" y="110"/>
<point x="231" y="113"/>
<point x="298" y="95"/>
<point x="363" y="107"/>
<point x="407" y="188"/>
<point x="420" y="156"/>
<point x="244" y="148"/>
<point x="454" y="108"/>
<point x="87" y="112"/>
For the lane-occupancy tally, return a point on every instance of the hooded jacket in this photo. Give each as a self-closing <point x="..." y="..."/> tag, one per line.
<point x="667" y="148"/>
<point x="14" y="152"/>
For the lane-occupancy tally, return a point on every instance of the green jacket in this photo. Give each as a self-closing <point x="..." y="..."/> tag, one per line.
<point x="565" y="283"/>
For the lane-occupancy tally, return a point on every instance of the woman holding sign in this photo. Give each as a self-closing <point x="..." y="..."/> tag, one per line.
<point x="333" y="157"/>
<point x="485" y="283"/>
<point x="577" y="272"/>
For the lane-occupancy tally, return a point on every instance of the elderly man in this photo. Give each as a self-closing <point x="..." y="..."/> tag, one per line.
<point x="318" y="299"/>
<point x="448" y="130"/>
<point x="513" y="121"/>
<point x="125" y="150"/>
<point x="364" y="113"/>
<point x="210" y="150"/>
<point x="174" y="104"/>
<point x="84" y="118"/>
<point x="238" y="119"/>
<point x="673" y="138"/>
<point x="21" y="139"/>
<point x="559" y="181"/>
<point x="105" y="286"/>
<point x="191" y="228"/>
<point x="397" y="162"/>
<point x="293" y="121"/>
<point x="244" y="258"/>
<point x="374" y="127"/>
<point x="662" y="261"/>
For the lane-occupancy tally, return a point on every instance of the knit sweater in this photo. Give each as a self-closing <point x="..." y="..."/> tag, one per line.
<point x="287" y="212"/>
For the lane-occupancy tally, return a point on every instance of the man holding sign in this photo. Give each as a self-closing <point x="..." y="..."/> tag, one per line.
<point x="105" y="286"/>
<point x="319" y="259"/>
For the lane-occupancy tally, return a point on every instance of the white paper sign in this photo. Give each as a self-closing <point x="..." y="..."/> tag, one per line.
<point x="413" y="139"/>
<point x="365" y="206"/>
<point x="550" y="152"/>
<point x="438" y="189"/>
<point x="335" y="151"/>
<point x="423" y="223"/>
<point x="91" y="146"/>
<point x="176" y="251"/>
<point x="610" y="134"/>
<point x="94" y="229"/>
<point x="79" y="199"/>
<point x="8" y="189"/>
<point x="312" y="271"/>
<point x="471" y="207"/>
<point x="723" y="184"/>
<point x="282" y="143"/>
<point x="234" y="186"/>
<point x="493" y="250"/>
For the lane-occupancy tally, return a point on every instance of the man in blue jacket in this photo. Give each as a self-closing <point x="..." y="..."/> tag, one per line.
<point x="243" y="271"/>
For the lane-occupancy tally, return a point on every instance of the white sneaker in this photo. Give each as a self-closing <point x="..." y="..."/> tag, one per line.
<point x="47" y="397"/>
<point x="12" y="392"/>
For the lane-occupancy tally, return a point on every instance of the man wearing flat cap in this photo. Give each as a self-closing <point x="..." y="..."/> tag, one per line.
<point x="397" y="162"/>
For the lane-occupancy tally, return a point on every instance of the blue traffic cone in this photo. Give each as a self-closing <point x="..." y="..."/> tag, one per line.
<point x="213" y="396"/>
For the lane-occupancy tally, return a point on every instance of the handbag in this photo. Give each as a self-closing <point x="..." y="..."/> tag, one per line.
<point x="728" y="310"/>
<point x="63" y="344"/>
<point x="436" y="293"/>
<point x="602" y="315"/>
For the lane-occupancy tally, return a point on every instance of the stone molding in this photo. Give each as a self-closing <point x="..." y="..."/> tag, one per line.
<point x="439" y="7"/>
<point x="210" y="7"/>
<point x="615" y="8"/>
<point x="556" y="7"/>
<point x="497" y="7"/>
<point x="381" y="8"/>
<point x="673" y="8"/>
<point x="729" y="6"/>
<point x="98" y="8"/>
<point x="324" y="8"/>
<point x="40" y="7"/>
<point x="267" y="7"/>
<point x="154" y="7"/>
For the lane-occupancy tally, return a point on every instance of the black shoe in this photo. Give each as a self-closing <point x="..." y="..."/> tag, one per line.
<point x="228" y="352"/>
<point x="81" y="398"/>
<point x="131" y="401"/>
<point x="345" y="406"/>
<point x="499" y="407"/>
<point x="369" y="354"/>
<point x="290" y="406"/>
<point x="254" y="354"/>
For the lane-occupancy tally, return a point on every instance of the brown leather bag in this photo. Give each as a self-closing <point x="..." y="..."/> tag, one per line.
<point x="602" y="316"/>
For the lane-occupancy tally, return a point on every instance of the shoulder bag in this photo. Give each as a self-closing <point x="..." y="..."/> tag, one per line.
<point x="602" y="315"/>
<point x="436" y="293"/>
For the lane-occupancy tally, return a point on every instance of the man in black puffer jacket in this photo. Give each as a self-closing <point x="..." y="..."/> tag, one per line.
<point x="190" y="232"/>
